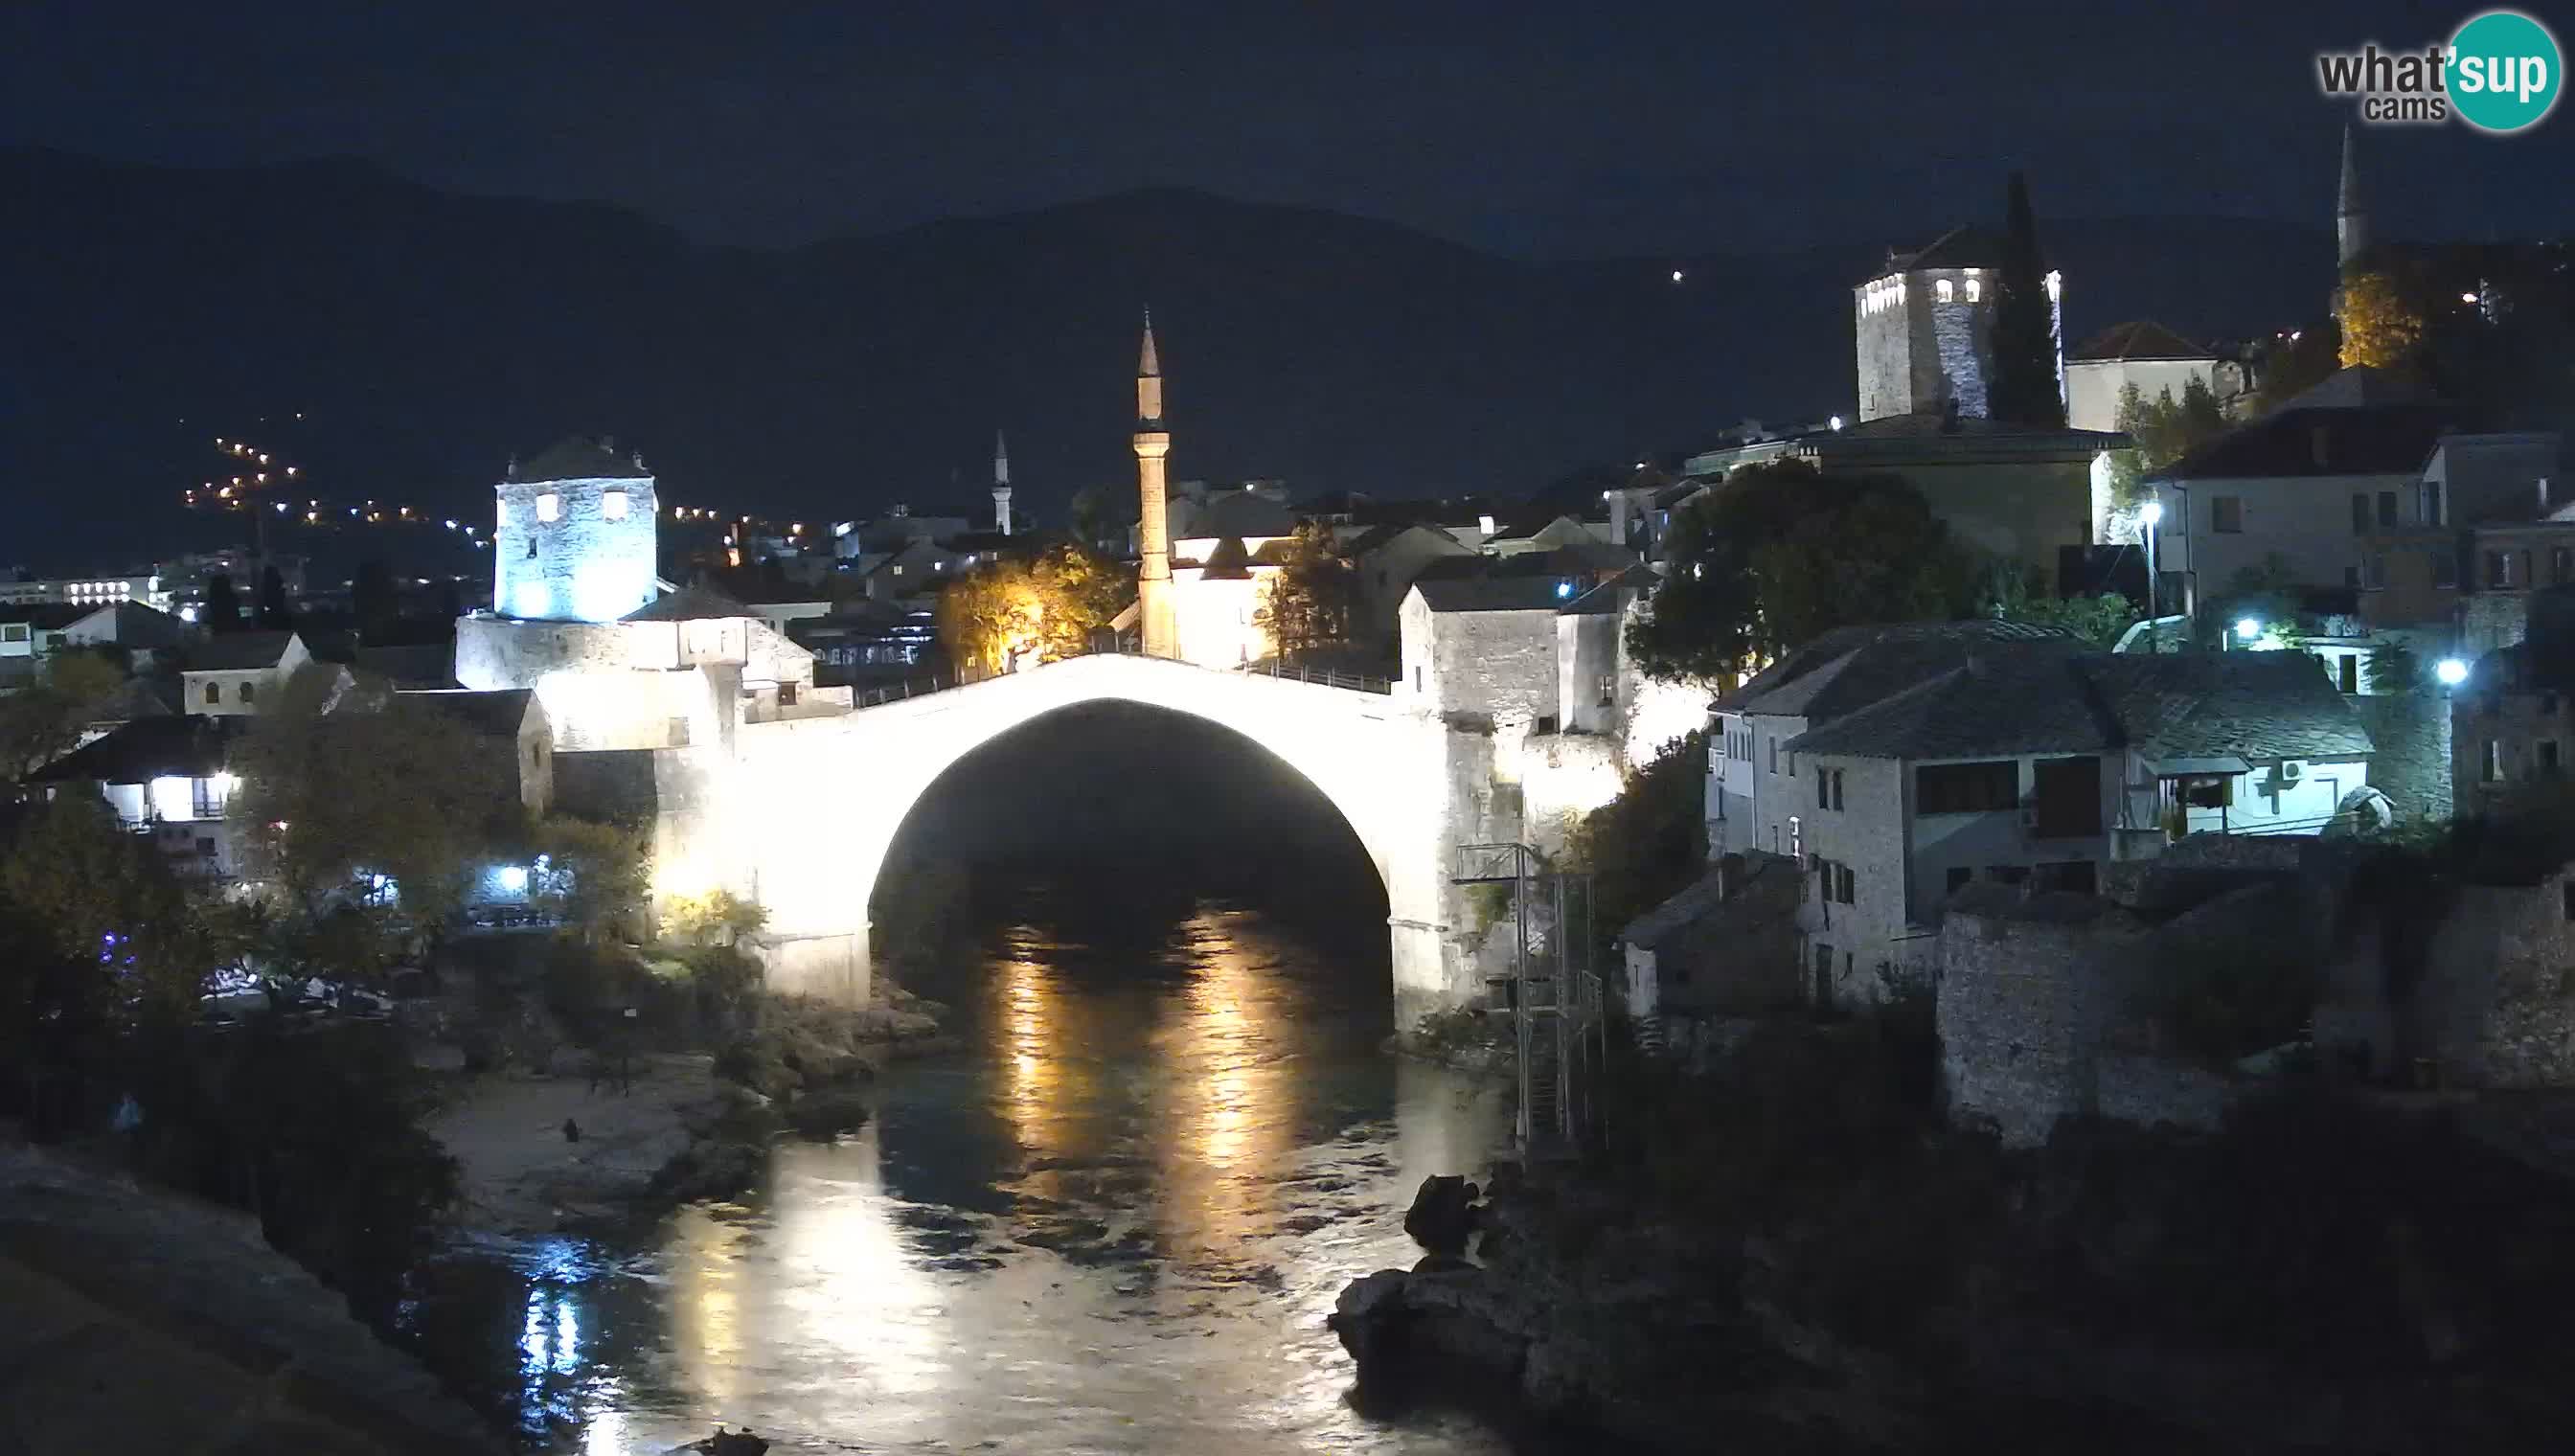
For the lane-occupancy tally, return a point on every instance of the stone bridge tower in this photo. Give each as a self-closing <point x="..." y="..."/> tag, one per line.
<point x="1154" y="619"/>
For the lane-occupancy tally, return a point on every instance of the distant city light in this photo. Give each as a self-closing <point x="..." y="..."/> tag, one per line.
<point x="2248" y="628"/>
<point x="2451" y="671"/>
<point x="2467" y="298"/>
<point x="1676" y="275"/>
<point x="1836" y="421"/>
<point x="1564" y="588"/>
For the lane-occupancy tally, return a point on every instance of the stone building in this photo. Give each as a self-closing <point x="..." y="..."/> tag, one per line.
<point x="2511" y="728"/>
<point x="576" y="535"/>
<point x="234" y="672"/>
<point x="1925" y="326"/>
<point x="2147" y="355"/>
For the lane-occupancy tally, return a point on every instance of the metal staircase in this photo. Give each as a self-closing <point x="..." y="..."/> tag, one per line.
<point x="1552" y="995"/>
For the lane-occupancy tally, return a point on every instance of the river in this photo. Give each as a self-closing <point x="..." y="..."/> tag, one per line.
<point x="1115" y="1223"/>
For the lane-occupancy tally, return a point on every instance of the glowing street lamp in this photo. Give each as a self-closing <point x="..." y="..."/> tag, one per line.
<point x="2247" y="629"/>
<point x="2450" y="671"/>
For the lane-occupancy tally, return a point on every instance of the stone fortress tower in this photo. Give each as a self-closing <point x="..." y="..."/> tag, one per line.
<point x="1156" y="623"/>
<point x="1925" y="326"/>
<point x="1000" y="484"/>
<point x="577" y="535"/>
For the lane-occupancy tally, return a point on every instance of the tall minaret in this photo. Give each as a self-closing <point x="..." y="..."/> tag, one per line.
<point x="2351" y="209"/>
<point x="1000" y="484"/>
<point x="1153" y="530"/>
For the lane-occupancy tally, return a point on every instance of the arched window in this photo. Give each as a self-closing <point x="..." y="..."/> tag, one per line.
<point x="249" y="690"/>
<point x="214" y="694"/>
<point x="1975" y="289"/>
<point x="1947" y="290"/>
<point x="549" y="507"/>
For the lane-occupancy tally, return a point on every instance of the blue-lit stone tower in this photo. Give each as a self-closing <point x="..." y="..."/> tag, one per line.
<point x="577" y="535"/>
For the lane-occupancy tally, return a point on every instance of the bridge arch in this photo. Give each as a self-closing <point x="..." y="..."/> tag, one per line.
<point x="815" y="803"/>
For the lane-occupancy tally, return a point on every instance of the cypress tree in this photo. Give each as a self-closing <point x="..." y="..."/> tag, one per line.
<point x="222" y="611"/>
<point x="2024" y="388"/>
<point x="271" y="599"/>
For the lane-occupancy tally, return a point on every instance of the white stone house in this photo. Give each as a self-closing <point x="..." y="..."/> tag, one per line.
<point x="2038" y="768"/>
<point x="236" y="672"/>
<point x="2147" y="355"/>
<point x="167" y="778"/>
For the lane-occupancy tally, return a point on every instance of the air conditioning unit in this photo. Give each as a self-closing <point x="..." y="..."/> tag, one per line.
<point x="2290" y="770"/>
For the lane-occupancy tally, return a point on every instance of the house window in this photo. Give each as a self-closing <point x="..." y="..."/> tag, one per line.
<point x="1774" y="756"/>
<point x="2387" y="509"/>
<point x="612" y="504"/>
<point x="2359" y="513"/>
<point x="2349" y="672"/>
<point x="2066" y="798"/>
<point x="1975" y="289"/>
<point x="787" y="694"/>
<point x="1945" y="290"/>
<point x="2445" y="570"/>
<point x="2561" y="565"/>
<point x="1416" y="679"/>
<point x="549" y="507"/>
<point x="674" y="733"/>
<point x="2209" y="790"/>
<point x="1837" y="789"/>
<point x="214" y="692"/>
<point x="2226" y="513"/>
<point x="2499" y="568"/>
<point x="2547" y="757"/>
<point x="2431" y="502"/>
<point x="1845" y="884"/>
<point x="2491" y="771"/>
<point x="1823" y="789"/>
<point x="1824" y="977"/>
<point x="1951" y="788"/>
<point x="1958" y="876"/>
<point x="249" y="690"/>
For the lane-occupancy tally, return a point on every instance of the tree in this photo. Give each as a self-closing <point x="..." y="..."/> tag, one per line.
<point x="339" y="785"/>
<point x="593" y="875"/>
<point x="45" y="719"/>
<point x="2099" y="619"/>
<point x="2297" y="363"/>
<point x="1645" y="846"/>
<point x="2381" y="327"/>
<point x="1778" y="552"/>
<point x="1046" y="608"/>
<point x="2164" y="430"/>
<point x="2025" y="390"/>
<point x="1307" y="603"/>
<point x="271" y="599"/>
<point x="222" y="611"/>
<point x="378" y="608"/>
<point x="715" y="916"/>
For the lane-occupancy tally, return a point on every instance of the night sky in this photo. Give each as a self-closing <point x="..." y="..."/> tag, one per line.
<point x="1541" y="130"/>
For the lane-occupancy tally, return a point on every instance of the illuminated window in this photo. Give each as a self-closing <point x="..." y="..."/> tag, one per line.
<point x="549" y="507"/>
<point x="1947" y="290"/>
<point x="612" y="504"/>
<point x="1975" y="289"/>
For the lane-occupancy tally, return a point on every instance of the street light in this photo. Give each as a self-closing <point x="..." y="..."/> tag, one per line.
<point x="2152" y="514"/>
<point x="2451" y="671"/>
<point x="2247" y="629"/>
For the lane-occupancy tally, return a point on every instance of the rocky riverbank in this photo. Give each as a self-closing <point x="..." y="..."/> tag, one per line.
<point x="140" y="1320"/>
<point x="2310" y="1284"/>
<point x="589" y="1138"/>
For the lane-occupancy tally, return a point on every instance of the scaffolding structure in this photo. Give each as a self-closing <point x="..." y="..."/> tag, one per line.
<point x="1551" y="993"/>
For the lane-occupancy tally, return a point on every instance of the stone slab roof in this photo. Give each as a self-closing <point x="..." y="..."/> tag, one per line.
<point x="239" y="652"/>
<point x="2138" y="339"/>
<point x="1965" y="246"/>
<point x="1766" y="881"/>
<point x="581" y="458"/>
<point x="2368" y="440"/>
<point x="412" y="664"/>
<point x="184" y="746"/>
<point x="1851" y="666"/>
<point x="494" y="712"/>
<point x="688" y="604"/>
<point x="46" y="616"/>
<point x="1489" y="593"/>
<point x="2258" y="706"/>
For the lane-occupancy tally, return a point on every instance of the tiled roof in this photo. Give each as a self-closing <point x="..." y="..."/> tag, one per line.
<point x="2137" y="338"/>
<point x="412" y="664"/>
<point x="1377" y="536"/>
<point x="1769" y="887"/>
<point x="185" y="746"/>
<point x="581" y="458"/>
<point x="2367" y="441"/>
<point x="1610" y="595"/>
<point x="1851" y="667"/>
<point x="1491" y="593"/>
<point x="239" y="652"/>
<point x="2258" y="706"/>
<point x="1226" y="562"/>
<point x="47" y="615"/>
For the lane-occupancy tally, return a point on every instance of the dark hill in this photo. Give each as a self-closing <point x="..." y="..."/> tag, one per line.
<point x="426" y="336"/>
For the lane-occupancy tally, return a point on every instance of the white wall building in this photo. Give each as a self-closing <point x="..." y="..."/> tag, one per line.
<point x="233" y="672"/>
<point x="2150" y="356"/>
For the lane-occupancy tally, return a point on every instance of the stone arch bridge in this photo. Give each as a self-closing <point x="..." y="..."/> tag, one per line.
<point x="804" y="809"/>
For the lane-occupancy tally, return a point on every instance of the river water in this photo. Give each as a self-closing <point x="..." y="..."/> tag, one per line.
<point x="1115" y="1222"/>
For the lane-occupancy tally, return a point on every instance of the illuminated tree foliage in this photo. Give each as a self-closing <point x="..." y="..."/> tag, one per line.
<point x="1308" y="604"/>
<point x="341" y="783"/>
<point x="2165" y="430"/>
<point x="1040" y="610"/>
<point x="1780" y="553"/>
<point x="2381" y="326"/>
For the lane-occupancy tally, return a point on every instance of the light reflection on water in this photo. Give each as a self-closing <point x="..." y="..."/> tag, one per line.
<point x="1117" y="1226"/>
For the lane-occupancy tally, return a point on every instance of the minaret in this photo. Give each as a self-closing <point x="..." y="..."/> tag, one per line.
<point x="1153" y="531"/>
<point x="2351" y="210"/>
<point x="1000" y="484"/>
